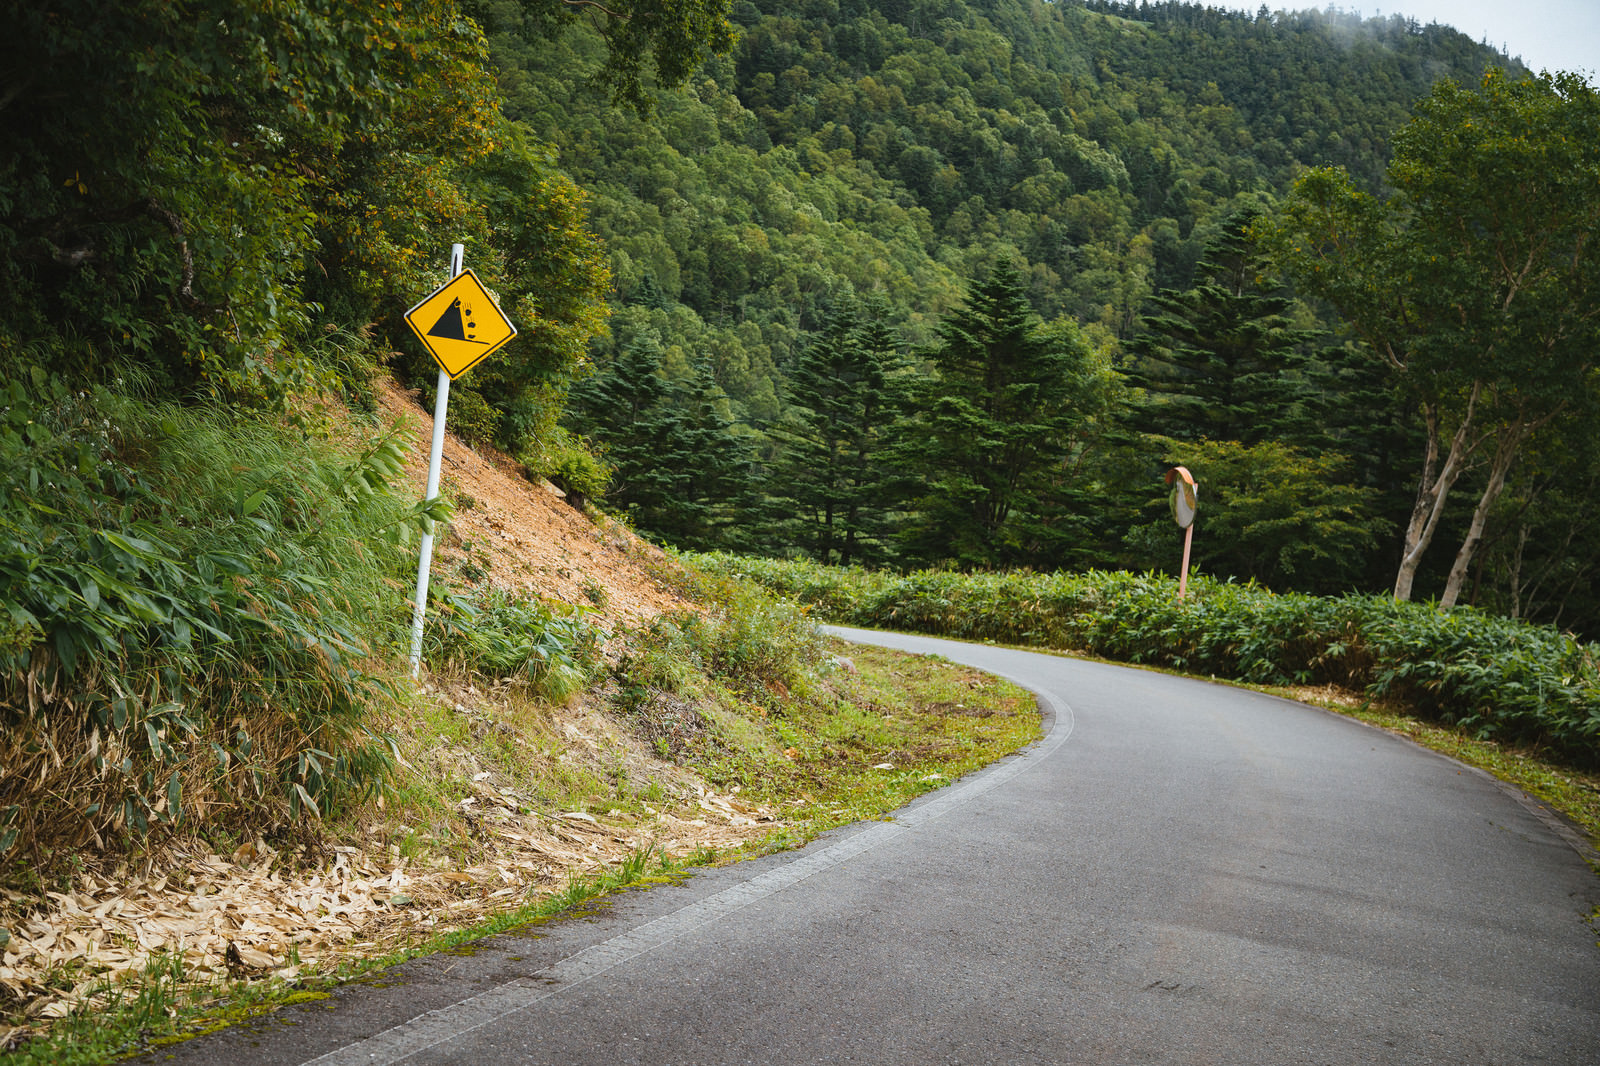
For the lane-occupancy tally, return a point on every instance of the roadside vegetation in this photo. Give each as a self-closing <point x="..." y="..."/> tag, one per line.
<point x="208" y="708"/>
<point x="195" y="607"/>
<point x="1520" y="700"/>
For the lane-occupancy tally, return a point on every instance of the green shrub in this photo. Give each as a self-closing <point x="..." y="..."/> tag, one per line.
<point x="1493" y="677"/>
<point x="553" y="649"/>
<point x="471" y="418"/>
<point x="193" y="603"/>
<point x="663" y="656"/>
<point x="571" y="465"/>
<point x="747" y="641"/>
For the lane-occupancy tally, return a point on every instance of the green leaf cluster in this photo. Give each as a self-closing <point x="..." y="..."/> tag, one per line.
<point x="551" y="649"/>
<point x="195" y="195"/>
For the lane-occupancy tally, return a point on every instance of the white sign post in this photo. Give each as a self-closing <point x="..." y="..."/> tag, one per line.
<point x="441" y="400"/>
<point x="461" y="325"/>
<point x="1185" y="500"/>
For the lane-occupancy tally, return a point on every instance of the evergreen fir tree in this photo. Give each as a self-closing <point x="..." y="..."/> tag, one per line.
<point x="678" y="465"/>
<point x="995" y="420"/>
<point x="1216" y="362"/>
<point x="829" y="488"/>
<point x="712" y="463"/>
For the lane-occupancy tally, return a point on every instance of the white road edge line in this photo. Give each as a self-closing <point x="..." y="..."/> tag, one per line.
<point x="447" y="1023"/>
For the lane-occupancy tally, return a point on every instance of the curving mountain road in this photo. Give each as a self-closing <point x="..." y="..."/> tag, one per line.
<point x="1178" y="873"/>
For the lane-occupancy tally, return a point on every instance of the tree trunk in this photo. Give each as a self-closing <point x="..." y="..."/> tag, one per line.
<point x="1433" y="490"/>
<point x="1511" y="437"/>
<point x="1516" y="570"/>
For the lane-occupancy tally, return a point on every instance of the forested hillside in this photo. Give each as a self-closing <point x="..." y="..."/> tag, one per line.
<point x="797" y="239"/>
<point x="899" y="284"/>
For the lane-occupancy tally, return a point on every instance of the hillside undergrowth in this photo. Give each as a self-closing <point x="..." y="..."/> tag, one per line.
<point x="1487" y="676"/>
<point x="197" y="606"/>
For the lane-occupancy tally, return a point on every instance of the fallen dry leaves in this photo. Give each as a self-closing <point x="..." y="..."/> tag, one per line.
<point x="250" y="915"/>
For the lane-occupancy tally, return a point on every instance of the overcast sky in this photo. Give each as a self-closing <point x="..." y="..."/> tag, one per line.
<point x="1546" y="34"/>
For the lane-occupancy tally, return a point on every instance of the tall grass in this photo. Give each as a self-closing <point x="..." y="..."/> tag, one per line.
<point x="744" y="637"/>
<point x="552" y="649"/>
<point x="1494" y="677"/>
<point x="195" y="612"/>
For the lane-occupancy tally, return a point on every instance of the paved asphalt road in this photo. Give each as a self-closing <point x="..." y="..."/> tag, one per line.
<point x="1178" y="873"/>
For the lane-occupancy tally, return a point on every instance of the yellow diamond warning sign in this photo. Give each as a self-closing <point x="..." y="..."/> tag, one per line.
<point x="460" y="324"/>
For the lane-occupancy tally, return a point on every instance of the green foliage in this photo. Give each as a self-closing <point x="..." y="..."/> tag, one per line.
<point x="1477" y="282"/>
<point x="1272" y="514"/>
<point x="1478" y="269"/>
<point x="1213" y="361"/>
<point x="201" y="193"/>
<point x="878" y="150"/>
<point x="571" y="464"/>
<point x="553" y="649"/>
<point x="648" y="43"/>
<point x="1493" y="677"/>
<point x="748" y="640"/>
<point x="1540" y="557"/>
<point x="1002" y="411"/>
<point x="157" y="204"/>
<point x="192" y="601"/>
<point x="472" y="418"/>
<point x="678" y="467"/>
<point x="830" y="486"/>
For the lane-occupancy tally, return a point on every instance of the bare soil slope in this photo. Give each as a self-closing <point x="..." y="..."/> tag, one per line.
<point x="525" y="536"/>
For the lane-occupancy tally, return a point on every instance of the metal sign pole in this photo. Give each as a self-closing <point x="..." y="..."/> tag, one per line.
<point x="435" y="458"/>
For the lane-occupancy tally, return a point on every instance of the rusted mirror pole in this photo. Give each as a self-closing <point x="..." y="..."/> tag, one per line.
<point x="1185" y="499"/>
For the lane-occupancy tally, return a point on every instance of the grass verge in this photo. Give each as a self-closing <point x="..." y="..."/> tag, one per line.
<point x="874" y="735"/>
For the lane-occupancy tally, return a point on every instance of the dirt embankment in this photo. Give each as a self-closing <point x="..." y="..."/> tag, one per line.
<point x="523" y="536"/>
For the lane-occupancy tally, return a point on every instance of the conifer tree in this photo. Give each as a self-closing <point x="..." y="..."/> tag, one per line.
<point x="830" y="488"/>
<point x="678" y="466"/>
<point x="713" y="464"/>
<point x="1216" y="361"/>
<point x="997" y="417"/>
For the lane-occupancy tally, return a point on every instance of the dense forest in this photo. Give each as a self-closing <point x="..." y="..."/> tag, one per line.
<point x="810" y="244"/>
<point x="900" y="283"/>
